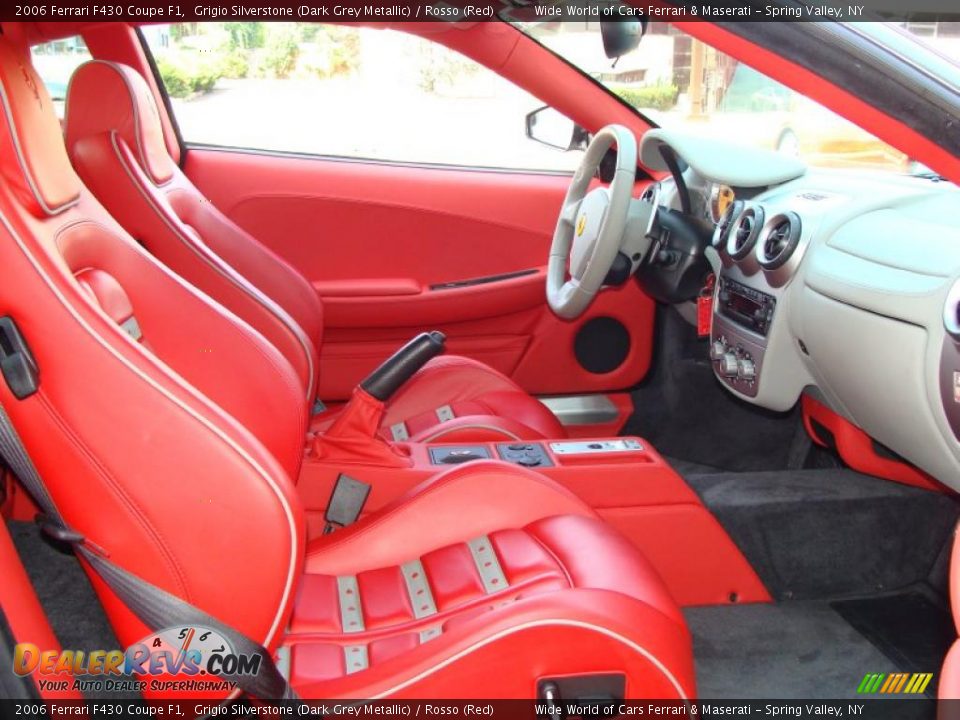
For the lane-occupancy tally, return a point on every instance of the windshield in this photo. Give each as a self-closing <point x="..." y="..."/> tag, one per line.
<point x="681" y="83"/>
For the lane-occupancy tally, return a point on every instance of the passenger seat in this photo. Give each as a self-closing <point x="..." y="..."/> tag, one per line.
<point x="116" y="143"/>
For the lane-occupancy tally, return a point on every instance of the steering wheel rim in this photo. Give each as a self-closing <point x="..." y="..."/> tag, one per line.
<point x="587" y="243"/>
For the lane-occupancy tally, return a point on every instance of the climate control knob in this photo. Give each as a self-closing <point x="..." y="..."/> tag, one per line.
<point x="729" y="365"/>
<point x="747" y="370"/>
<point x="718" y="350"/>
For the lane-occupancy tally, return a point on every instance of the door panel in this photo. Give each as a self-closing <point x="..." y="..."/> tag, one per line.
<point x="373" y="238"/>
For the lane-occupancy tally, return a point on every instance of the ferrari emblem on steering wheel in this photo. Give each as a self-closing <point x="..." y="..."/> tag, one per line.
<point x="581" y="224"/>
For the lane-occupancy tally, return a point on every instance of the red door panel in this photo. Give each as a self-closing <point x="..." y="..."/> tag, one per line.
<point x="374" y="238"/>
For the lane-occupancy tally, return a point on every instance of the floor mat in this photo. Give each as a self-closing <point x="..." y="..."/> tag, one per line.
<point x="684" y="411"/>
<point x="794" y="650"/>
<point x="908" y="628"/>
<point x="830" y="533"/>
<point x="72" y="607"/>
<point x="685" y="467"/>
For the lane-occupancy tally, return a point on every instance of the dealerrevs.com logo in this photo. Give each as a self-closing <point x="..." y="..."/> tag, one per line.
<point x="177" y="659"/>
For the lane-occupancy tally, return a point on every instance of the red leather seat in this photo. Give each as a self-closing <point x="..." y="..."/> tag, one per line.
<point x="949" y="687"/>
<point x="480" y="582"/>
<point x="116" y="143"/>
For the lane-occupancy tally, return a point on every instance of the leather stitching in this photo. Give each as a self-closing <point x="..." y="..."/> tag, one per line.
<point x="239" y="330"/>
<point x="440" y="484"/>
<point x="190" y="412"/>
<point x="415" y="624"/>
<point x="134" y="509"/>
<point x="227" y="272"/>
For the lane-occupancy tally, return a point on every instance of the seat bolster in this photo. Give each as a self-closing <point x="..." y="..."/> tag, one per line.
<point x="502" y="653"/>
<point x="463" y="502"/>
<point x="109" y="169"/>
<point x="594" y="555"/>
<point x="524" y="409"/>
<point x="949" y="688"/>
<point x="473" y="429"/>
<point x="452" y="380"/>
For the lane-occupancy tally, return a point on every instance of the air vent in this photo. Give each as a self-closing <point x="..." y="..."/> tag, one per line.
<point x="744" y="234"/>
<point x="722" y="231"/>
<point x="780" y="241"/>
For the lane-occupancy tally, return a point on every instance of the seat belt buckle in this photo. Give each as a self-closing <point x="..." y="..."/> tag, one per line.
<point x="346" y="503"/>
<point x="17" y="363"/>
<point x="58" y="531"/>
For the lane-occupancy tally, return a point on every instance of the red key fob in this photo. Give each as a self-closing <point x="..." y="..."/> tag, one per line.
<point x="705" y="308"/>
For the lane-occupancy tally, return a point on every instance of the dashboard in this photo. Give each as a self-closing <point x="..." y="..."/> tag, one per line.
<point x="842" y="285"/>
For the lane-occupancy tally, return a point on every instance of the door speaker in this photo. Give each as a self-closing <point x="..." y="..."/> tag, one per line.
<point x="601" y="345"/>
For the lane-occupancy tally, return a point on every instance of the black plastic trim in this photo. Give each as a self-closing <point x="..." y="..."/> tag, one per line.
<point x="487" y="279"/>
<point x="673" y="162"/>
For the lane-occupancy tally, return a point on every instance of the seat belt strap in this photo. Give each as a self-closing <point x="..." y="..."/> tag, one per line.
<point x="155" y="607"/>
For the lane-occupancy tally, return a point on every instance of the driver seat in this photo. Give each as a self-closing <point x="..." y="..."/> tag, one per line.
<point x="486" y="581"/>
<point x="116" y="144"/>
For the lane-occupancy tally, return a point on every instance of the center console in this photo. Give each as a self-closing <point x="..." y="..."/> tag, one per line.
<point x="623" y="479"/>
<point x="531" y="454"/>
<point x="741" y="322"/>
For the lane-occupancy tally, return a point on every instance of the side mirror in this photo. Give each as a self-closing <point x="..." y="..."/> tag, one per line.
<point x="554" y="129"/>
<point x="621" y="37"/>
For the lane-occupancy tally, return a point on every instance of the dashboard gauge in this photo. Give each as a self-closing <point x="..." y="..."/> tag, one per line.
<point x="721" y="197"/>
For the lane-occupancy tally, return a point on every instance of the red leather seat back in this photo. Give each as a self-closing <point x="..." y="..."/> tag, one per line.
<point x="171" y="452"/>
<point x="116" y="143"/>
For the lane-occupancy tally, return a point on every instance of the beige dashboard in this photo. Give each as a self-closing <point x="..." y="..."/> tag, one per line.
<point x="845" y="286"/>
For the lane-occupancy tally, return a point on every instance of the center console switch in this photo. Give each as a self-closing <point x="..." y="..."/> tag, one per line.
<point x="456" y="454"/>
<point x="525" y="454"/>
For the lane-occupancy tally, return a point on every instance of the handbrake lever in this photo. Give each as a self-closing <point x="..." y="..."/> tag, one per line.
<point x="383" y="382"/>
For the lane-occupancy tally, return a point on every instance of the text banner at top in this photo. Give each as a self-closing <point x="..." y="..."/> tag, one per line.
<point x="455" y="11"/>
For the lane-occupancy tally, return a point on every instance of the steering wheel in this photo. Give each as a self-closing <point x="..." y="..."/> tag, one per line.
<point x="591" y="226"/>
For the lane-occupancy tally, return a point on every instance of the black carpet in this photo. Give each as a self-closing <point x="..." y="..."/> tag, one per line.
<point x="909" y="628"/>
<point x="801" y="650"/>
<point x="72" y="607"/>
<point x="685" y="467"/>
<point x="684" y="411"/>
<point x="831" y="533"/>
<point x="794" y="650"/>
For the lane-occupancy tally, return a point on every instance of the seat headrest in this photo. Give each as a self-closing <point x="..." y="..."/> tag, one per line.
<point x="33" y="158"/>
<point x="110" y="97"/>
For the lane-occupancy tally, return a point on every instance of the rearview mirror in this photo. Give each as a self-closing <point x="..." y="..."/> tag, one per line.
<point x="622" y="36"/>
<point x="553" y="128"/>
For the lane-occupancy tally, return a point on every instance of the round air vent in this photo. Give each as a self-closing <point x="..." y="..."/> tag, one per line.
<point x="722" y="231"/>
<point x="743" y="235"/>
<point x="780" y="241"/>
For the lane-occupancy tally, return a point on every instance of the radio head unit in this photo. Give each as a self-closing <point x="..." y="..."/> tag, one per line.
<point x="745" y="306"/>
